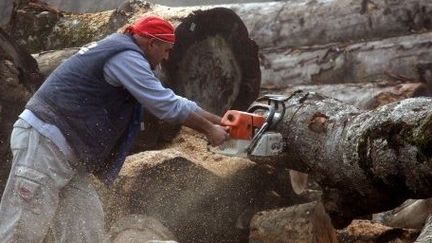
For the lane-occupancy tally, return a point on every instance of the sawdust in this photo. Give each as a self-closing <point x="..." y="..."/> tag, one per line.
<point x="192" y="146"/>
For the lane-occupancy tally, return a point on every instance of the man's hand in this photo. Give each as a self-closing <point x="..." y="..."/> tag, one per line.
<point x="217" y="135"/>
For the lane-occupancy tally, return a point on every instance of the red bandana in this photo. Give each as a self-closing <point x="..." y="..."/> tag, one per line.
<point x="153" y="27"/>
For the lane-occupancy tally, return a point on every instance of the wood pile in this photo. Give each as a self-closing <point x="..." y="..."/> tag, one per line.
<point x="369" y="55"/>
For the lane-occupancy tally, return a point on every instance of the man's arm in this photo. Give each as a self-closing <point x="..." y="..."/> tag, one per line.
<point x="215" y="119"/>
<point x="215" y="134"/>
<point x="130" y="70"/>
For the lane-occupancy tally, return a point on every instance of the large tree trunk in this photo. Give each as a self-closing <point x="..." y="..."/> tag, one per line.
<point x="406" y="56"/>
<point x="308" y="23"/>
<point x="365" y="162"/>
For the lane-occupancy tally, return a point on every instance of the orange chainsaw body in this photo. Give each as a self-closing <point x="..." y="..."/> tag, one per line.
<point x="241" y="125"/>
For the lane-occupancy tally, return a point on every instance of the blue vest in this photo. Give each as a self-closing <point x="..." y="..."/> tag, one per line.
<point x="93" y="115"/>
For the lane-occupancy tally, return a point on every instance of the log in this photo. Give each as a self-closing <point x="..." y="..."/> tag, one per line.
<point x="49" y="60"/>
<point x="281" y="24"/>
<point x="365" y="161"/>
<point x="365" y="96"/>
<point x="406" y="57"/>
<point x="300" y="223"/>
<point x="412" y="214"/>
<point x="215" y="63"/>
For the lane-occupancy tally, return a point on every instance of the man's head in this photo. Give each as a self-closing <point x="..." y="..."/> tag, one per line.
<point x="155" y="36"/>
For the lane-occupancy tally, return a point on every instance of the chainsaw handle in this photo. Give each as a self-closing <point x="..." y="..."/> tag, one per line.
<point x="269" y="108"/>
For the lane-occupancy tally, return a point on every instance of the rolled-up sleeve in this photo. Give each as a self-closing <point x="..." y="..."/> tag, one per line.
<point x="132" y="71"/>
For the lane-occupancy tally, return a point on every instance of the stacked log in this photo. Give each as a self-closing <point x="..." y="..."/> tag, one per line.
<point x="300" y="41"/>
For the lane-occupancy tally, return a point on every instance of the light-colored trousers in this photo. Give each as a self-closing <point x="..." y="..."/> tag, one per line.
<point x="45" y="193"/>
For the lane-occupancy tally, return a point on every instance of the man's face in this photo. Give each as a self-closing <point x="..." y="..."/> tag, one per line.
<point x="157" y="51"/>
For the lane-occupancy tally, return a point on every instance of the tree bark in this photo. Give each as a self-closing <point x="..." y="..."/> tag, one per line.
<point x="407" y="57"/>
<point x="300" y="223"/>
<point x="308" y="23"/>
<point x="365" y="96"/>
<point x="365" y="162"/>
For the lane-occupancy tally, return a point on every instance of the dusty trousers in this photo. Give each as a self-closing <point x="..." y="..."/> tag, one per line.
<point x="45" y="193"/>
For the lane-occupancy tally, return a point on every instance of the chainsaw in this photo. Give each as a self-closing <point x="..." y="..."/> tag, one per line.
<point x="251" y="131"/>
<point x="251" y="134"/>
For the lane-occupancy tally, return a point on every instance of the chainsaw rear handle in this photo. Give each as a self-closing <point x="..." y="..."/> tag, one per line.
<point x="268" y="121"/>
<point x="270" y="109"/>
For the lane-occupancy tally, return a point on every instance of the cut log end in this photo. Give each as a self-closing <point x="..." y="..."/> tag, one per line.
<point x="209" y="69"/>
<point x="214" y="62"/>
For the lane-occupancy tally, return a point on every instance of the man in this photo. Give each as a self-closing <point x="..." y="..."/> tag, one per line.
<point x="82" y="120"/>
